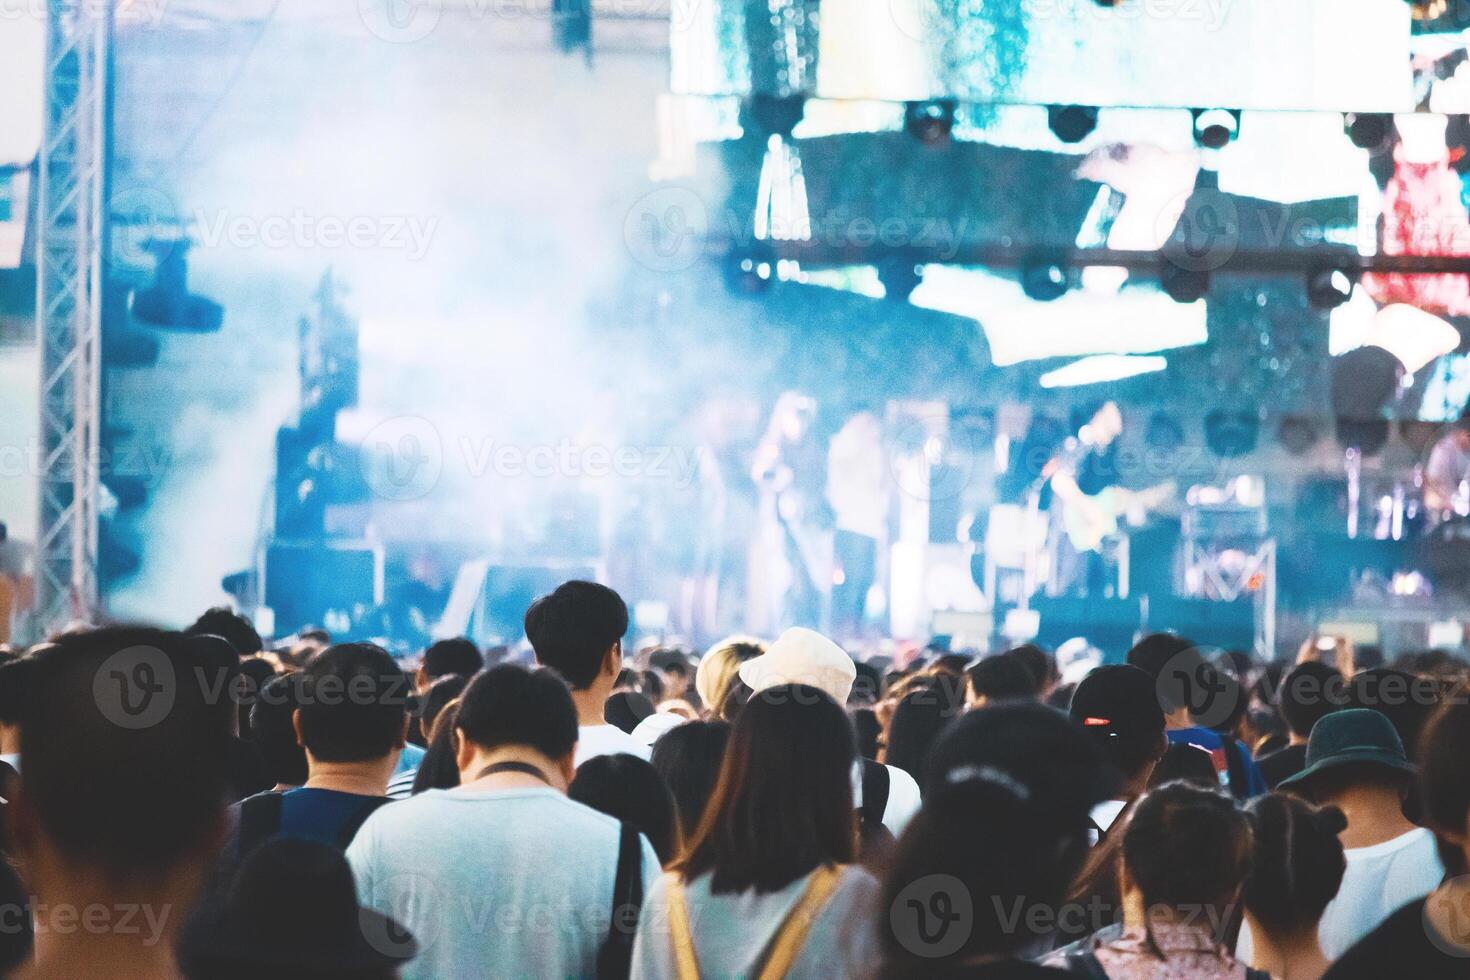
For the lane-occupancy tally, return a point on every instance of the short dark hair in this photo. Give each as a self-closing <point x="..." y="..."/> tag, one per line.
<point x="1041" y="664"/>
<point x="354" y="699"/>
<point x="1298" y="863"/>
<point x="1444" y="779"/>
<point x="632" y="790"/>
<point x="1001" y="676"/>
<point x="689" y="757"/>
<point x="456" y="656"/>
<point x="572" y="629"/>
<point x="1185" y="678"/>
<point x="125" y="759"/>
<point x="1309" y="692"/>
<point x="274" y="735"/>
<point x="782" y="806"/>
<point x="510" y="705"/>
<point x="1406" y="700"/>
<point x="236" y="629"/>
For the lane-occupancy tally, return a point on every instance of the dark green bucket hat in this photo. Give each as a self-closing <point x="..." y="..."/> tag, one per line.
<point x="1353" y="736"/>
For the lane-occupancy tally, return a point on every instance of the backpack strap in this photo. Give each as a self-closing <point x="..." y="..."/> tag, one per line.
<point x="686" y="964"/>
<point x="260" y="820"/>
<point x="877" y="784"/>
<point x="615" y="959"/>
<point x="791" y="937"/>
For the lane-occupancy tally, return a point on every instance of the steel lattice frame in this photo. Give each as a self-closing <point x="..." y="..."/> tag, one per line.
<point x="70" y="271"/>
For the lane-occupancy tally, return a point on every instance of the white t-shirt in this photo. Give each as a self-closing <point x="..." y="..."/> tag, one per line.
<point x="497" y="883"/>
<point x="903" y="797"/>
<point x="1379" y="880"/>
<point x="595" y="740"/>
<point x="1105" y="814"/>
<point x="731" y="932"/>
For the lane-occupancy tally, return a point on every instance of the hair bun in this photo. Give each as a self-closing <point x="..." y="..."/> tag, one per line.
<point x="1332" y="820"/>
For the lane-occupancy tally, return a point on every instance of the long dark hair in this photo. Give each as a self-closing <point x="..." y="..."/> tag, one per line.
<point x="1187" y="848"/>
<point x="439" y="768"/>
<point x="782" y="806"/>
<point x="689" y="758"/>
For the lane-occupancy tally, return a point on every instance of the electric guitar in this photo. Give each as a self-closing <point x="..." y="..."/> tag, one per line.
<point x="1087" y="527"/>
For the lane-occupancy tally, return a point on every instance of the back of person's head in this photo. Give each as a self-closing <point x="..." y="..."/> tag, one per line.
<point x="573" y="629"/>
<point x="1187" y="849"/>
<point x="1406" y="700"/>
<point x="439" y="768"/>
<point x="1003" y="829"/>
<point x="1186" y="680"/>
<point x="1000" y="677"/>
<point x="867" y="685"/>
<point x="217" y="667"/>
<point x="273" y="730"/>
<point x="453" y="656"/>
<point x="632" y="790"/>
<point x="1117" y="707"/>
<point x="234" y="628"/>
<point x="689" y="757"/>
<point x="918" y="719"/>
<point x="869" y="731"/>
<point x="444" y="690"/>
<point x="1182" y="762"/>
<point x="1444" y="779"/>
<point x="1308" y="692"/>
<point x="782" y="805"/>
<point x="669" y="660"/>
<point x="720" y="665"/>
<point x="354" y="704"/>
<point x="624" y="710"/>
<point x="512" y="706"/>
<point x="125" y="759"/>
<point x="255" y="672"/>
<point x="1042" y="666"/>
<point x="1297" y="866"/>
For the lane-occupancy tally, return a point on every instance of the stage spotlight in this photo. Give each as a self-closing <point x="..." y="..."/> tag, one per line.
<point x="1328" y="289"/>
<point x="1071" y="123"/>
<point x="1368" y="130"/>
<point x="1213" y="128"/>
<point x="900" y="276"/>
<point x="1231" y="433"/>
<point x="1044" y="281"/>
<point x="1183" y="285"/>
<point x="930" y="122"/>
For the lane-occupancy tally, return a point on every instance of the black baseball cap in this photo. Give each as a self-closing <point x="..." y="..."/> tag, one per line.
<point x="1117" y="700"/>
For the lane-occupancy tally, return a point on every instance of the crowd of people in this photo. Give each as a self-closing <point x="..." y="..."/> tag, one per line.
<point x="198" y="804"/>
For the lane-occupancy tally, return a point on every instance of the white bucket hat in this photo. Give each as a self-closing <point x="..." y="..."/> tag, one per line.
<point x="802" y="656"/>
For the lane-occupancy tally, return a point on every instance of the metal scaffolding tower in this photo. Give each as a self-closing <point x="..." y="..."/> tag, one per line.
<point x="71" y="273"/>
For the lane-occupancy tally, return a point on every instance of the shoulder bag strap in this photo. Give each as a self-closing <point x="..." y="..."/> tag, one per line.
<point x="686" y="966"/>
<point x="792" y="935"/>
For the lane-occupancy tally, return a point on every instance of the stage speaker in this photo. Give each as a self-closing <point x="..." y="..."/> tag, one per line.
<point x="305" y="580"/>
